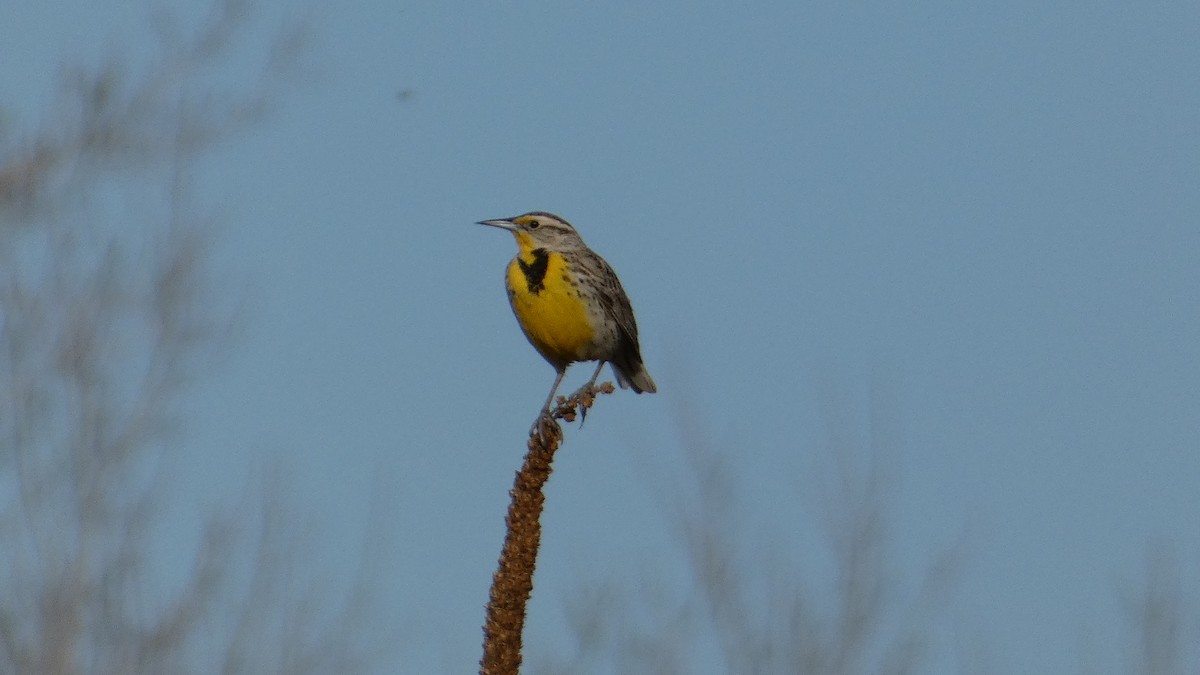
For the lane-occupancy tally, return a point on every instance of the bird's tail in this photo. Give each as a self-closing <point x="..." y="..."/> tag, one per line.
<point x="634" y="375"/>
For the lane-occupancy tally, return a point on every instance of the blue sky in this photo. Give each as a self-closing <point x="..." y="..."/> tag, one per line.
<point x="980" y="221"/>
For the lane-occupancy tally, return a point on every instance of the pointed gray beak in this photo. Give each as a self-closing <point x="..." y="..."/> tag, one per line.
<point x="502" y="223"/>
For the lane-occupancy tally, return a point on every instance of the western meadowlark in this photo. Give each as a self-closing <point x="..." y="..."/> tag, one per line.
<point x="570" y="303"/>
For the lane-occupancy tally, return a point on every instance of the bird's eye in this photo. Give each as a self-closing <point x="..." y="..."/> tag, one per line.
<point x="533" y="224"/>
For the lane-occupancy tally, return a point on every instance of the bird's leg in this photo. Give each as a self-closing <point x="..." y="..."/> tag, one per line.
<point x="591" y="384"/>
<point x="588" y="388"/>
<point x="544" y="415"/>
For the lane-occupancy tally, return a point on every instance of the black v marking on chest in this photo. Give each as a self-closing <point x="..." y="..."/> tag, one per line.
<point x="535" y="272"/>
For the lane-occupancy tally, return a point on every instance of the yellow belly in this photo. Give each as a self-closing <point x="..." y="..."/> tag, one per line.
<point x="554" y="318"/>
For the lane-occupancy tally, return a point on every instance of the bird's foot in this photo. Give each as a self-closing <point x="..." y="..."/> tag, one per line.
<point x="567" y="408"/>
<point x="545" y="428"/>
<point x="585" y="396"/>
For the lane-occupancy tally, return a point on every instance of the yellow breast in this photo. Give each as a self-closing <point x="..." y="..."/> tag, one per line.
<point x="548" y="306"/>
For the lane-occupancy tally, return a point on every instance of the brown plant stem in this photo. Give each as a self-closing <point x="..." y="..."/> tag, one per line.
<point x="513" y="581"/>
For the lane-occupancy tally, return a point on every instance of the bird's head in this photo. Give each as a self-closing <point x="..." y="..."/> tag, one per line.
<point x="538" y="229"/>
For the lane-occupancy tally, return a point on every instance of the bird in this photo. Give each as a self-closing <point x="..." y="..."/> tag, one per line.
<point x="570" y="304"/>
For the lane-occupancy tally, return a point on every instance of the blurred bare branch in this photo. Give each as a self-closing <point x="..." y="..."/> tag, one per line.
<point x="1166" y="640"/>
<point x="105" y="318"/>
<point x="112" y="118"/>
<point x="736" y="604"/>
